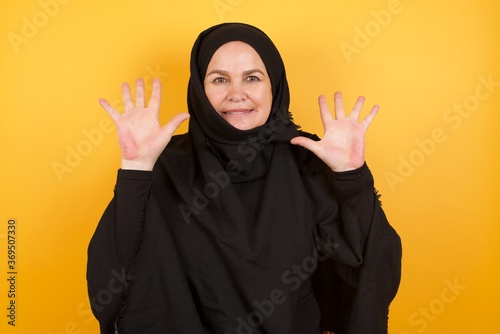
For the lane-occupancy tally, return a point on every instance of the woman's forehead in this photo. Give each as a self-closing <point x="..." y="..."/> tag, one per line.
<point x="236" y="57"/>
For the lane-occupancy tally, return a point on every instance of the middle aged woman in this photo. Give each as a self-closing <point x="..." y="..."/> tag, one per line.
<point x="244" y="224"/>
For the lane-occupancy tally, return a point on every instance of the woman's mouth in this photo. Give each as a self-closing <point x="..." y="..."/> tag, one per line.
<point x="232" y="112"/>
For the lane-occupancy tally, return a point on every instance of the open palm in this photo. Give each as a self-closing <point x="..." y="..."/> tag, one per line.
<point x="140" y="135"/>
<point x="342" y="147"/>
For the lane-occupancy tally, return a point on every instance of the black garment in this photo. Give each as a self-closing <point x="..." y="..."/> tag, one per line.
<point x="372" y="285"/>
<point x="224" y="234"/>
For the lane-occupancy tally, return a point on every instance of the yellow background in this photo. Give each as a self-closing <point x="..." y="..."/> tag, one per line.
<point x="437" y="169"/>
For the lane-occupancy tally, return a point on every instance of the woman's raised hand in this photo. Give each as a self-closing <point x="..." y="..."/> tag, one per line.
<point x="140" y="135"/>
<point x="342" y="147"/>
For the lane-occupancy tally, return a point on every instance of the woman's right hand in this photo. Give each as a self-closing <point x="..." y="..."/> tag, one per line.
<point x="140" y="135"/>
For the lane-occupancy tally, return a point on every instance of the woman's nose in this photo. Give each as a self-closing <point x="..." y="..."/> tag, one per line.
<point x="236" y="93"/>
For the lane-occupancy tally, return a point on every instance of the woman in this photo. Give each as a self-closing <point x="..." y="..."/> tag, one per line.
<point x="221" y="229"/>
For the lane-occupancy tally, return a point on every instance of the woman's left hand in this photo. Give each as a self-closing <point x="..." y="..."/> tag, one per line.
<point x="342" y="147"/>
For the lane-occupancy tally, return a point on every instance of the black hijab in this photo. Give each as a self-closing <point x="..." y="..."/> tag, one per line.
<point x="245" y="153"/>
<point x="209" y="41"/>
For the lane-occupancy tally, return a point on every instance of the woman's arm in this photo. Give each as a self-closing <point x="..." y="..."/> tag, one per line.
<point x="115" y="241"/>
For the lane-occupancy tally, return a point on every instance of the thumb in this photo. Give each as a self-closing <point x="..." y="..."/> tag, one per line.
<point x="168" y="130"/>
<point x="305" y="142"/>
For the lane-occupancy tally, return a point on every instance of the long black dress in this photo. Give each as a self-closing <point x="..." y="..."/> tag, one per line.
<point x="241" y="232"/>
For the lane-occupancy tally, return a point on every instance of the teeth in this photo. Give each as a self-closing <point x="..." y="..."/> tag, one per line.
<point x="235" y="112"/>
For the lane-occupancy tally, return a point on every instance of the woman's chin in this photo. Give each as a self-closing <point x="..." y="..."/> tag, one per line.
<point x="241" y="123"/>
<point x="244" y="125"/>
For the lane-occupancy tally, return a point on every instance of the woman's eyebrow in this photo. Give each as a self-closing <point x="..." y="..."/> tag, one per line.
<point x="221" y="72"/>
<point x="252" y="71"/>
<point x="226" y="73"/>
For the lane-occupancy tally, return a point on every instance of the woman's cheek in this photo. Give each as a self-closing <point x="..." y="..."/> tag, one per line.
<point x="214" y="97"/>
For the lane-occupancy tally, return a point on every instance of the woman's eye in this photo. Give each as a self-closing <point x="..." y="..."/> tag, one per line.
<point x="220" y="80"/>
<point x="253" y="78"/>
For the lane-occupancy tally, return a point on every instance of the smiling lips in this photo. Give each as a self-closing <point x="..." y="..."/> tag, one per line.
<point x="232" y="112"/>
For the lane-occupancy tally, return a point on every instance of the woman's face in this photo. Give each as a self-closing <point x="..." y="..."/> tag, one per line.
<point x="238" y="86"/>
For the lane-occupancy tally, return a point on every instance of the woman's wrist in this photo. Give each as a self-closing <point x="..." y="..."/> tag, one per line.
<point x="137" y="165"/>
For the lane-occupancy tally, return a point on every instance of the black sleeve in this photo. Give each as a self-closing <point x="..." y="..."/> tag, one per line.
<point x="357" y="284"/>
<point x="131" y="194"/>
<point x="113" y="245"/>
<point x="357" y="199"/>
<point x="344" y="209"/>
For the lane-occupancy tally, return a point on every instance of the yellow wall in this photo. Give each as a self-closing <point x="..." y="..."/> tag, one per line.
<point x="433" y="66"/>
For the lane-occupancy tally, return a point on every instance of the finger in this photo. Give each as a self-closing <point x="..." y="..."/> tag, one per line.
<point x="369" y="118"/>
<point x="326" y="115"/>
<point x="169" y="129"/>
<point x="339" y="105"/>
<point x="139" y="94"/>
<point x="155" y="100"/>
<point x="127" y="99"/>
<point x="356" y="111"/>
<point x="111" y="111"/>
